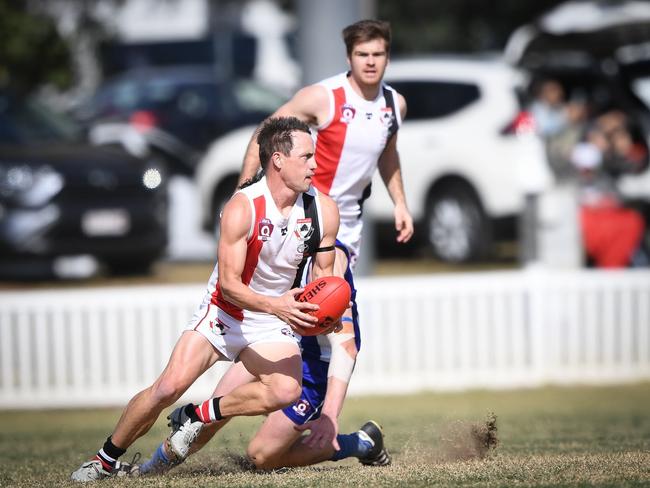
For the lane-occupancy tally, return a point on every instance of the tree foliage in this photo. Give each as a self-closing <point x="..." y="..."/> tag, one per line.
<point x="31" y="51"/>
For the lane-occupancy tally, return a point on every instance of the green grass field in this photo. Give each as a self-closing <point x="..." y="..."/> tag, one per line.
<point x="546" y="437"/>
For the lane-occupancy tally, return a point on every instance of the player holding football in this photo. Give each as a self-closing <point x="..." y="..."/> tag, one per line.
<point x="249" y="311"/>
<point x="356" y="118"/>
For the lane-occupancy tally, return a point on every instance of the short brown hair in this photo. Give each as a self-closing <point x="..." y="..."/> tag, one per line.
<point x="276" y="136"/>
<point x="364" y="31"/>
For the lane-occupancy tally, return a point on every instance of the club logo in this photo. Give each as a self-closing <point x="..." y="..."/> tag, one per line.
<point x="387" y="117"/>
<point x="303" y="229"/>
<point x="287" y="332"/>
<point x="302" y="407"/>
<point x="264" y="229"/>
<point x="347" y="113"/>
<point x="218" y="327"/>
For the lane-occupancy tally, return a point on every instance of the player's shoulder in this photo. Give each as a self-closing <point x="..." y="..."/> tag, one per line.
<point x="327" y="204"/>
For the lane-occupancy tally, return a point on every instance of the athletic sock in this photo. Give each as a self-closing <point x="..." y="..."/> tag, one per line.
<point x="159" y="462"/>
<point x="209" y="411"/>
<point x="108" y="454"/>
<point x="357" y="444"/>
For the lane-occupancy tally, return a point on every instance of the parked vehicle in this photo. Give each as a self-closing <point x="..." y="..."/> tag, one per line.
<point x="180" y="110"/>
<point x="468" y="155"/>
<point x="64" y="203"/>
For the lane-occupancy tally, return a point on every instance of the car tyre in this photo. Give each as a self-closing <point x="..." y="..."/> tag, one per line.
<point x="457" y="227"/>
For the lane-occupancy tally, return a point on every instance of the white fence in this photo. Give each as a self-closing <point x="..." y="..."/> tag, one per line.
<point x="85" y="347"/>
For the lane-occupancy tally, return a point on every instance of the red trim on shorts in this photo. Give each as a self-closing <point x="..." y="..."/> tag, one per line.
<point x="329" y="146"/>
<point x="207" y="310"/>
<point x="253" y="249"/>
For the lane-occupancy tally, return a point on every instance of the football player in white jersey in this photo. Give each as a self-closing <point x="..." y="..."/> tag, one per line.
<point x="244" y="317"/>
<point x="356" y="119"/>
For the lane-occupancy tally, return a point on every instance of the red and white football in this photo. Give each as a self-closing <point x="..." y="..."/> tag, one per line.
<point x="332" y="294"/>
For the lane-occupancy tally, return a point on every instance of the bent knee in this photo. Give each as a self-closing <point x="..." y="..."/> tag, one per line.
<point x="167" y="390"/>
<point x="261" y="457"/>
<point x="283" y="392"/>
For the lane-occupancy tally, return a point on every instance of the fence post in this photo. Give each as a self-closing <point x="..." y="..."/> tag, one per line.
<point x="536" y="278"/>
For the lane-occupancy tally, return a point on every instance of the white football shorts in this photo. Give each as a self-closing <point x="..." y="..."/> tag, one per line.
<point x="230" y="336"/>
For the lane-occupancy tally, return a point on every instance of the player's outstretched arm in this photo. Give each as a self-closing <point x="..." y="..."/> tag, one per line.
<point x="310" y="104"/>
<point x="235" y="228"/>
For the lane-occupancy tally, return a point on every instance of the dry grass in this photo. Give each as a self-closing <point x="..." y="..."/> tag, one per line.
<point x="546" y="437"/>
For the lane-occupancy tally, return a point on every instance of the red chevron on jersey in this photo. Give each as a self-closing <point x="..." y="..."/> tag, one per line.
<point x="253" y="249"/>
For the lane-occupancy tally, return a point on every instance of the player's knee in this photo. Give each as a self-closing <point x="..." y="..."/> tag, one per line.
<point x="284" y="391"/>
<point x="255" y="453"/>
<point x="167" y="390"/>
<point x="260" y="456"/>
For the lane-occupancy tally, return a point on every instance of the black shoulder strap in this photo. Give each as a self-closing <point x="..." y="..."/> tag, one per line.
<point x="312" y="243"/>
<point x="390" y="103"/>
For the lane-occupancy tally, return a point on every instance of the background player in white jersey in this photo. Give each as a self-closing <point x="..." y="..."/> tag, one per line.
<point x="356" y="118"/>
<point x="251" y="312"/>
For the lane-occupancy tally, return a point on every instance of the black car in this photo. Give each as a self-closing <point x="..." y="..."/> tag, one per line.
<point x="180" y="110"/>
<point x="65" y="204"/>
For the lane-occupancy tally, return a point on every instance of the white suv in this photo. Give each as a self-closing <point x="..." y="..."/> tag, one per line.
<point x="468" y="155"/>
<point x="468" y="152"/>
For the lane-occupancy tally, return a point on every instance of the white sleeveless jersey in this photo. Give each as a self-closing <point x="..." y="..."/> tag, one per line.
<point x="277" y="250"/>
<point x="348" y="146"/>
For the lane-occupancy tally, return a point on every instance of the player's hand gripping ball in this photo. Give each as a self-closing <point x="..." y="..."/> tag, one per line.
<point x="332" y="294"/>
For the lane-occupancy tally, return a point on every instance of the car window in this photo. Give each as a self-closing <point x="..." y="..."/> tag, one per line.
<point x="435" y="99"/>
<point x="200" y="100"/>
<point x="253" y="97"/>
<point x="25" y="120"/>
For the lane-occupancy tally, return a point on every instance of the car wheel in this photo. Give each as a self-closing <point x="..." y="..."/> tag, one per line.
<point x="457" y="228"/>
<point x="130" y="266"/>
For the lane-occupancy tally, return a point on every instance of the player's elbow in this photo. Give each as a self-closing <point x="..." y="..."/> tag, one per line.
<point x="227" y="288"/>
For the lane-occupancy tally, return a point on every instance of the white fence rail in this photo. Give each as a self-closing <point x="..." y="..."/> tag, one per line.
<point x="91" y="347"/>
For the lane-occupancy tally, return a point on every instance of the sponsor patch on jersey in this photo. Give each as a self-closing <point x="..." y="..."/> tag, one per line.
<point x="302" y="407"/>
<point x="264" y="229"/>
<point x="347" y="113"/>
<point x="303" y="229"/>
<point x="387" y="117"/>
<point x="303" y="249"/>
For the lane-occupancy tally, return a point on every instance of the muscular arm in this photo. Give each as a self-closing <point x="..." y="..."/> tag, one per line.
<point x="235" y="225"/>
<point x="323" y="263"/>
<point x="391" y="173"/>
<point x="310" y="104"/>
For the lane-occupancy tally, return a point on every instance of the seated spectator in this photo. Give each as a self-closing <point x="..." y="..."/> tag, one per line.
<point x="612" y="233"/>
<point x="624" y="154"/>
<point x="548" y="108"/>
<point x="560" y="146"/>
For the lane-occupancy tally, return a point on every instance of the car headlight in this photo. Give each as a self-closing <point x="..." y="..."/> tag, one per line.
<point x="29" y="186"/>
<point x="152" y="178"/>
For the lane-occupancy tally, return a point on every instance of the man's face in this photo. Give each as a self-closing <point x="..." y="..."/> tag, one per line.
<point x="368" y="61"/>
<point x="299" y="166"/>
